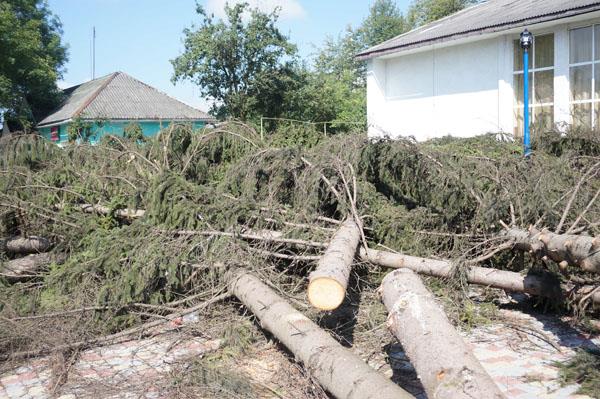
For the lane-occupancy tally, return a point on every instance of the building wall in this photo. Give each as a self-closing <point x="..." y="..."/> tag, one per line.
<point x="149" y="129"/>
<point x="462" y="90"/>
<point x="459" y="90"/>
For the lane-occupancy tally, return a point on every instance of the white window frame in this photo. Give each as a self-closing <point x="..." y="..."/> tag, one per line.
<point x="532" y="70"/>
<point x="593" y="62"/>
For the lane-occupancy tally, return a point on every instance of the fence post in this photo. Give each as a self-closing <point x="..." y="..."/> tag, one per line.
<point x="325" y="128"/>
<point x="261" y="129"/>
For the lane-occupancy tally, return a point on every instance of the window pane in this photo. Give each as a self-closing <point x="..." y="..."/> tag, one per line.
<point x="597" y="81"/>
<point x="580" y="44"/>
<point x="543" y="118"/>
<point x="544" y="51"/>
<point x="518" y="87"/>
<point x="596" y="116"/>
<point x="581" y="82"/>
<point x="544" y="87"/>
<point x="582" y="115"/>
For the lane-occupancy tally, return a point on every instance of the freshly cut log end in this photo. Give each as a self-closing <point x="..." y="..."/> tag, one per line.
<point x="445" y="365"/>
<point x="328" y="282"/>
<point x="326" y="293"/>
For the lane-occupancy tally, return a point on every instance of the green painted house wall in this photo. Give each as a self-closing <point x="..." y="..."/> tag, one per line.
<point x="149" y="129"/>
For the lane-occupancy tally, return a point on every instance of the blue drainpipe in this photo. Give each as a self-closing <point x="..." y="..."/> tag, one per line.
<point x="526" y="42"/>
<point x="526" y="140"/>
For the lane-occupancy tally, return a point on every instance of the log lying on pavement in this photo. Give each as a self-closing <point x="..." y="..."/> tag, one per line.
<point x="23" y="245"/>
<point x="564" y="249"/>
<point x="328" y="282"/>
<point x="28" y="266"/>
<point x="445" y="365"/>
<point x="337" y="369"/>
<point x="532" y="284"/>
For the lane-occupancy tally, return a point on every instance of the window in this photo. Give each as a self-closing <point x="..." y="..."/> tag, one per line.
<point x="584" y="76"/>
<point x="541" y="83"/>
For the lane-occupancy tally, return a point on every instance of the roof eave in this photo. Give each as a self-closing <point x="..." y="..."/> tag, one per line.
<point x="369" y="54"/>
<point x="53" y="123"/>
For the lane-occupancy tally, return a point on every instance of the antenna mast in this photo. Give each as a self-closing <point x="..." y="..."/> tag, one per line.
<point x="94" y="52"/>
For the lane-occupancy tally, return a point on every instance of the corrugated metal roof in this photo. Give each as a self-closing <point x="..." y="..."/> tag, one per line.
<point x="487" y="17"/>
<point x="120" y="96"/>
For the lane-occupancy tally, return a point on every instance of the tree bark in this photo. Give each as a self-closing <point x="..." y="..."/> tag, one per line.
<point x="30" y="245"/>
<point x="337" y="369"/>
<point x="532" y="284"/>
<point x="104" y="210"/>
<point x="445" y="365"/>
<point x="564" y="249"/>
<point x="29" y="265"/>
<point x="328" y="282"/>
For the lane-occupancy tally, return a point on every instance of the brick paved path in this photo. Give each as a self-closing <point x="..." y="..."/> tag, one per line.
<point x="518" y="354"/>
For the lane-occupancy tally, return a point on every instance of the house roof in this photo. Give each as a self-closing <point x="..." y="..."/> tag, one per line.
<point x="120" y="96"/>
<point x="490" y="16"/>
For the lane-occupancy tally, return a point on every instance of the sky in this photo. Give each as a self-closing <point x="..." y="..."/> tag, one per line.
<point x="139" y="37"/>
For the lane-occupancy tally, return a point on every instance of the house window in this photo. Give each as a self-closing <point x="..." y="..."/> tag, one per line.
<point x="584" y="76"/>
<point x="541" y="83"/>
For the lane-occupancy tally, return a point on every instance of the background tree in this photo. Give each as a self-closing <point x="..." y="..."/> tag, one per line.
<point x="422" y="12"/>
<point x="240" y="65"/>
<point x="384" y="22"/>
<point x="338" y="79"/>
<point x="31" y="61"/>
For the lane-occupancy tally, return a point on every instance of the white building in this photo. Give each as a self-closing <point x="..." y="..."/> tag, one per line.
<point x="463" y="75"/>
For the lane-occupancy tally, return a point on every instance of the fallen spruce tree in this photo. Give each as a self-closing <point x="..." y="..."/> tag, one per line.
<point x="215" y="195"/>
<point x="25" y="245"/>
<point x="28" y="266"/>
<point x="445" y="365"/>
<point x="328" y="282"/>
<point x="340" y="371"/>
<point x="564" y="249"/>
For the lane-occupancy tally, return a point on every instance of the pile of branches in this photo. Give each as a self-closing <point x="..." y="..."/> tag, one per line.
<point x="99" y="241"/>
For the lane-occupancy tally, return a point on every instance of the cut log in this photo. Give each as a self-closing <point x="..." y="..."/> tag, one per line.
<point x="533" y="284"/>
<point x="328" y="282"/>
<point x="337" y="369"/>
<point x="445" y="365"/>
<point x="28" y="266"/>
<point x="22" y="245"/>
<point x="564" y="249"/>
<point x="104" y="210"/>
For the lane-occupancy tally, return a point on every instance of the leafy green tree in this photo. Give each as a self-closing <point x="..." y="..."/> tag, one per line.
<point x="422" y="12"/>
<point x="240" y="63"/>
<point x="31" y="61"/>
<point x="384" y="22"/>
<point x="336" y="89"/>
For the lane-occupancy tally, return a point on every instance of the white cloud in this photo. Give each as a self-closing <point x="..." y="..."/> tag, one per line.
<point x="289" y="9"/>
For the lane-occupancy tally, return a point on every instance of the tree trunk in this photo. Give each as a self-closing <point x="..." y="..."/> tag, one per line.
<point x="29" y="265"/>
<point x="443" y="362"/>
<point x="564" y="249"/>
<point x="328" y="282"/>
<point x="532" y="284"/>
<point x="22" y="245"/>
<point x="104" y="210"/>
<point x="337" y="369"/>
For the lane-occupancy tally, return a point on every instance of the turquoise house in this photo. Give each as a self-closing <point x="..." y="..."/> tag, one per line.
<point x="112" y="103"/>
